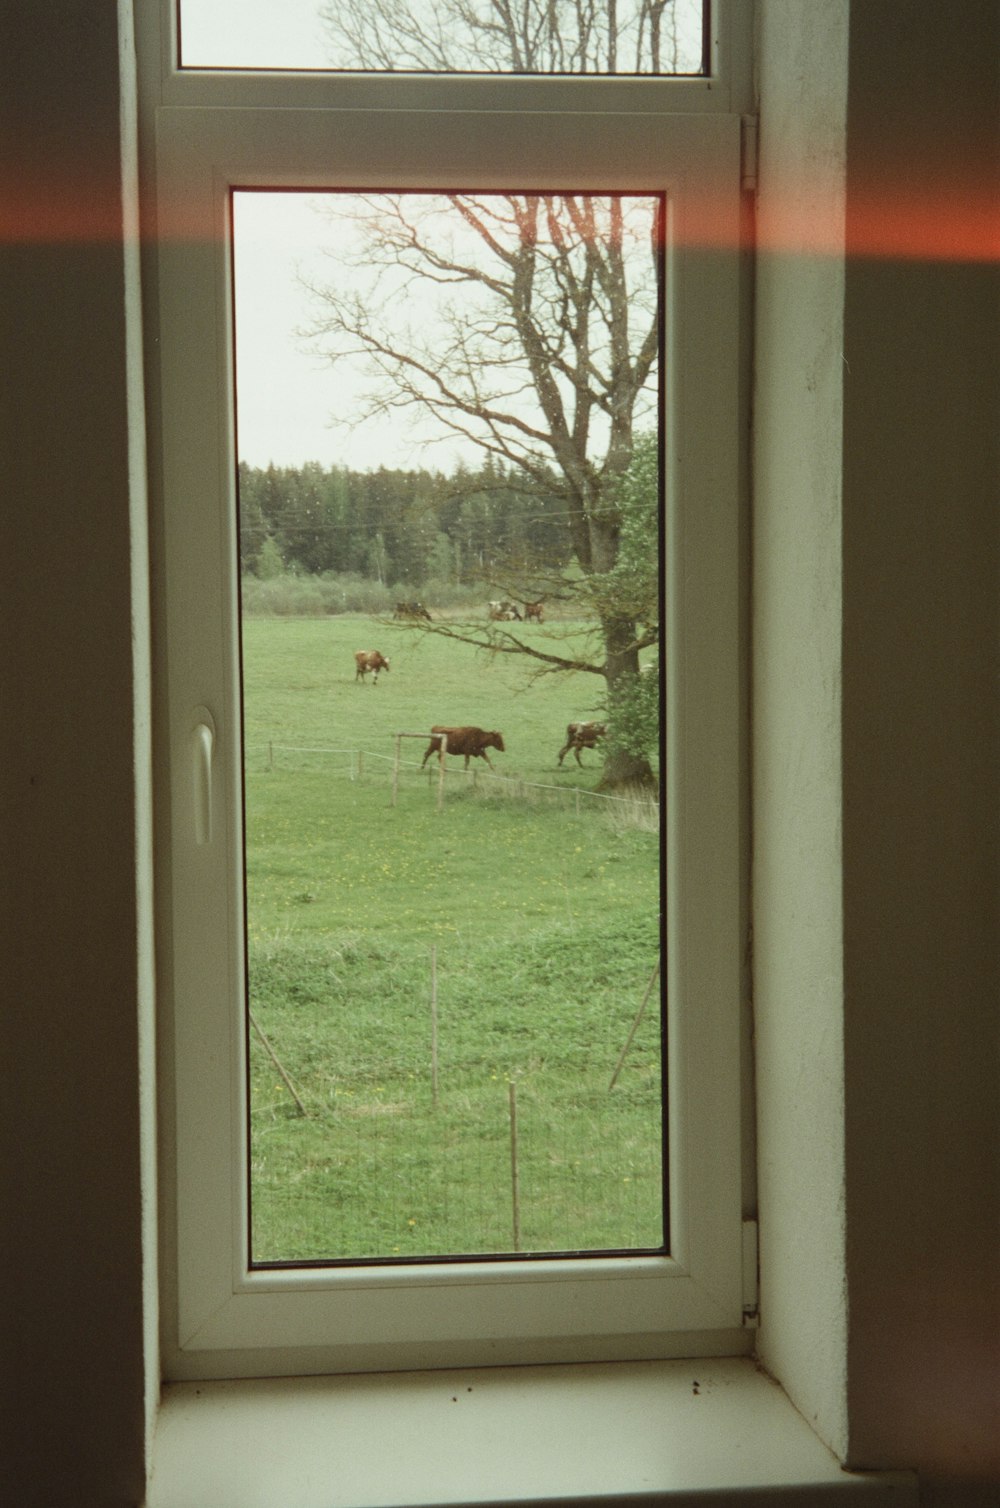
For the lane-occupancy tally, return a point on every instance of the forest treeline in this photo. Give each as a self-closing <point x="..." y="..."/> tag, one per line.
<point x="400" y="528"/>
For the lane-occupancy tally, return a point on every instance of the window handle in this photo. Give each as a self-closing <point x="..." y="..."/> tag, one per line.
<point x="203" y="748"/>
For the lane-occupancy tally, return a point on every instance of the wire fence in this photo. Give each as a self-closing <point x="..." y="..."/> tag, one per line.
<point x="467" y="1160"/>
<point x="371" y="766"/>
<point x="525" y="1115"/>
<point x="394" y="1180"/>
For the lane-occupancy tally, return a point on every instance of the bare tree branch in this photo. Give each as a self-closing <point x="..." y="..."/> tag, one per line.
<point x="502" y="641"/>
<point x="515" y="36"/>
<point x="528" y="323"/>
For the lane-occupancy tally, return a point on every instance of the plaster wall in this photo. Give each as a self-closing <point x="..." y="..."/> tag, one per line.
<point x="141" y="614"/>
<point x="921" y="744"/>
<point x="71" y="1267"/>
<point x="876" y="748"/>
<point x="797" y="911"/>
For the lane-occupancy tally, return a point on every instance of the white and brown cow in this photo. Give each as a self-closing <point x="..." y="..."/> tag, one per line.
<point x="503" y="612"/>
<point x="582" y="735"/>
<point x="366" y="660"/>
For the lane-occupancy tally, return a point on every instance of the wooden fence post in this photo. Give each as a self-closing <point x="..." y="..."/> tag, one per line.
<point x="274" y="1059"/>
<point x="635" y="1025"/>
<point x="515" y="1190"/>
<point x="441" y="770"/>
<point x="434" y="1026"/>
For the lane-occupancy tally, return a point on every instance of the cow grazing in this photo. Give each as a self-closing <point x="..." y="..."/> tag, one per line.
<point x="503" y="612"/>
<point x="369" y="659"/>
<point x="583" y="735"/>
<point x="411" y="610"/>
<point x="472" y="742"/>
<point x="534" y="610"/>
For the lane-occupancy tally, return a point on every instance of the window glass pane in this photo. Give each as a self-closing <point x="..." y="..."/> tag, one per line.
<point x="449" y="490"/>
<point x="447" y="36"/>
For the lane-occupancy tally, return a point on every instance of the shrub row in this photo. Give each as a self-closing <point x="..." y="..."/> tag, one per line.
<point x="303" y="596"/>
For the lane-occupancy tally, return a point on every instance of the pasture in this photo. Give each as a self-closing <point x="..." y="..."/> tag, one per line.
<point x="528" y="916"/>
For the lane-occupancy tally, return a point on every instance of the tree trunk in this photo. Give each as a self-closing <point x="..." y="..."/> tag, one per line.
<point x="621" y="667"/>
<point x="624" y="769"/>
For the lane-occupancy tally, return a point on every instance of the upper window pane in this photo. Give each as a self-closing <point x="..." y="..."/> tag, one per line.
<point x="564" y="37"/>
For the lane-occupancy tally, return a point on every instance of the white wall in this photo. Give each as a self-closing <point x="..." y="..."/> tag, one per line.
<point x="921" y="753"/>
<point x="796" y="595"/>
<point x="879" y="1240"/>
<point x="71" y="926"/>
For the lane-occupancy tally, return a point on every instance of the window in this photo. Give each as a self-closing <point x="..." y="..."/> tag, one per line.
<point x="216" y="145"/>
<point x="447" y="36"/>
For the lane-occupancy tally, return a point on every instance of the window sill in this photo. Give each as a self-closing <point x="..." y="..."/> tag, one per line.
<point x="639" y="1431"/>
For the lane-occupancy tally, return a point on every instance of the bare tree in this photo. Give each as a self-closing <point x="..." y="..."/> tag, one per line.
<point x="516" y="36"/>
<point x="529" y="325"/>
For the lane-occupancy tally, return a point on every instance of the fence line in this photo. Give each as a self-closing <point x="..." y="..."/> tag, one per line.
<point x="358" y="756"/>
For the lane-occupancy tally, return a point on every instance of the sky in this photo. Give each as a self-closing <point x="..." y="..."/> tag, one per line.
<point x="287" y="394"/>
<point x="251" y="34"/>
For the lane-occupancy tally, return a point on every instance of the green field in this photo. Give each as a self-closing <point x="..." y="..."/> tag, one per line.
<point x="527" y="906"/>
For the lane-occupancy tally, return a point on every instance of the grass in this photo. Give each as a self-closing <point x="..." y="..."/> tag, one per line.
<point x="544" y="924"/>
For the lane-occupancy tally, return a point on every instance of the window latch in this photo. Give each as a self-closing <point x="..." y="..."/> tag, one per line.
<point x="203" y="748"/>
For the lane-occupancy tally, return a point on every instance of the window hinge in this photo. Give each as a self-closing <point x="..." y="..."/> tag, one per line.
<point x="748" y="154"/>
<point x="751" y="1278"/>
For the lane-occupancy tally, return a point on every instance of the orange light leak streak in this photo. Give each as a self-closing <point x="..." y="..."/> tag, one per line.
<point x="950" y="227"/>
<point x="957" y="223"/>
<point x="40" y="212"/>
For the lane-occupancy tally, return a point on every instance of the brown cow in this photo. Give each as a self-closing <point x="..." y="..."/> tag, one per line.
<point x="369" y="659"/>
<point x="534" y="610"/>
<point x="472" y="742"/>
<point x="581" y="736"/>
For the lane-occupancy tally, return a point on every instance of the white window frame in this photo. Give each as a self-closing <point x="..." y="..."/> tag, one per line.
<point x="204" y="134"/>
